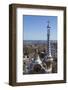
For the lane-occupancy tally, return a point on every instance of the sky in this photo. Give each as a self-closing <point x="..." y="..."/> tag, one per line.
<point x="35" y="27"/>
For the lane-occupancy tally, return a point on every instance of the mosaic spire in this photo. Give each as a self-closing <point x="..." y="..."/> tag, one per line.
<point x="48" y="40"/>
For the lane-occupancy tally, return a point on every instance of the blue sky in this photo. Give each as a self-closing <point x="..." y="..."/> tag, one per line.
<point x="35" y="27"/>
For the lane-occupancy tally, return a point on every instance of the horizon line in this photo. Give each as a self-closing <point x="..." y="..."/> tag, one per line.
<point x="46" y="40"/>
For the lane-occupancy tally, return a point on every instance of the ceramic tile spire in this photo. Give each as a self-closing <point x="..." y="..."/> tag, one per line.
<point x="48" y="40"/>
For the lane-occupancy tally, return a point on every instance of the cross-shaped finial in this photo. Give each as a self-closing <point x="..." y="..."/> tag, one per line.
<point x="48" y="26"/>
<point x="48" y="21"/>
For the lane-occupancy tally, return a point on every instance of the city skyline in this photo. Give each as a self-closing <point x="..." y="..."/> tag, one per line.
<point x="35" y="27"/>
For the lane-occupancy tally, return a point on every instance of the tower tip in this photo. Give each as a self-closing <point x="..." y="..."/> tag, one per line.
<point x="48" y="26"/>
